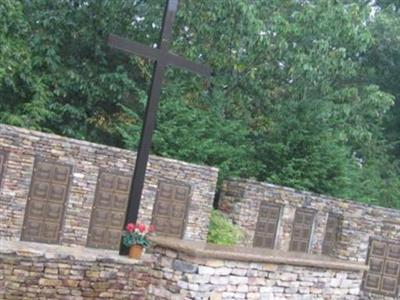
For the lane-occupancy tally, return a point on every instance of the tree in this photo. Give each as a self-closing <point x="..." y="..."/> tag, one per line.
<point x="25" y="96"/>
<point x="298" y="98"/>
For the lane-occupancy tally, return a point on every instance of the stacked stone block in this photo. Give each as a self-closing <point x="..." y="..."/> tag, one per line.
<point x="88" y="159"/>
<point x="241" y="198"/>
<point x="30" y="276"/>
<point x="181" y="276"/>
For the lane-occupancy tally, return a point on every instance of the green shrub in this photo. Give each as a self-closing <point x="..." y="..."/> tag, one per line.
<point x="222" y="231"/>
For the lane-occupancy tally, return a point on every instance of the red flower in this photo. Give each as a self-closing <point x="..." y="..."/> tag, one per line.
<point x="142" y="227"/>
<point x="152" y="228"/>
<point x="130" y="227"/>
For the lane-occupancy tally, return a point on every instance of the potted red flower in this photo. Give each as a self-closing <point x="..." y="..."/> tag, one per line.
<point x="135" y="237"/>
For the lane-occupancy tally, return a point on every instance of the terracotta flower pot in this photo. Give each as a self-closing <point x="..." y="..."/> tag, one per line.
<point x="135" y="251"/>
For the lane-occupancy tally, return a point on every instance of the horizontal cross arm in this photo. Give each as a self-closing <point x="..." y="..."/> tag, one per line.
<point x="180" y="62"/>
<point x="132" y="47"/>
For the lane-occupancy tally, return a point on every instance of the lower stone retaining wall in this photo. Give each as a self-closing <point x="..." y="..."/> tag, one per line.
<point x="174" y="269"/>
<point x="63" y="274"/>
<point x="179" y="275"/>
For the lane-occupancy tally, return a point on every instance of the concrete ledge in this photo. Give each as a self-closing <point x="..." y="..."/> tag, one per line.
<point x="195" y="249"/>
<point x="256" y="255"/>
<point x="29" y="249"/>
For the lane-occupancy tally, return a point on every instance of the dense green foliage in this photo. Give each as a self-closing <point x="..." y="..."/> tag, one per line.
<point x="221" y="230"/>
<point x="305" y="93"/>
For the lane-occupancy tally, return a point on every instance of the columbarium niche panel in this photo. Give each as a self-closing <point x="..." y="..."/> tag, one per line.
<point x="267" y="225"/>
<point x="109" y="210"/>
<point x="302" y="229"/>
<point x="3" y="158"/>
<point x="46" y="201"/>
<point x="332" y="233"/>
<point x="384" y="268"/>
<point x="170" y="208"/>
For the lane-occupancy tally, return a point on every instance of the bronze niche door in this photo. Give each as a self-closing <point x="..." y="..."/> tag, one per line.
<point x="384" y="268"/>
<point x="267" y="225"/>
<point x="170" y="209"/>
<point x="3" y="157"/>
<point x="302" y="229"/>
<point x="332" y="232"/>
<point x="45" y="206"/>
<point x="109" y="210"/>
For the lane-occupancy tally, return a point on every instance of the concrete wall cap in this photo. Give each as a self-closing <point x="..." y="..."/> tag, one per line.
<point x="29" y="249"/>
<point x="256" y="255"/>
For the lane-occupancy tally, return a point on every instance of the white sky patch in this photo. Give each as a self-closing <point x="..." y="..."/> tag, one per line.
<point x="139" y="19"/>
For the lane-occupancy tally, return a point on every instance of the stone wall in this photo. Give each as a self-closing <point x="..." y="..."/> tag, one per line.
<point x="174" y="270"/>
<point x="87" y="159"/>
<point x="241" y="198"/>
<point x="56" y="272"/>
<point x="199" y="274"/>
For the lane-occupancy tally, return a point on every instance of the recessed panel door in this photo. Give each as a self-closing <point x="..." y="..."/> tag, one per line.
<point x="332" y="231"/>
<point x="267" y="225"/>
<point x="109" y="210"/>
<point x="170" y="209"/>
<point x="302" y="229"/>
<point x="45" y="206"/>
<point x="3" y="156"/>
<point x="384" y="268"/>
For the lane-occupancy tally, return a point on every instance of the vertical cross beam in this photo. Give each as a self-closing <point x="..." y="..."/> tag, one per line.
<point x="162" y="58"/>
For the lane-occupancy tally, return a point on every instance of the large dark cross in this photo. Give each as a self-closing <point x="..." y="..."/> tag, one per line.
<point x="162" y="58"/>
